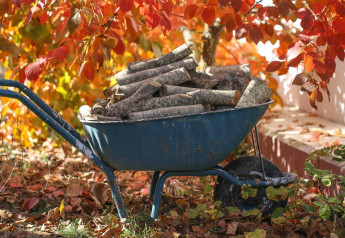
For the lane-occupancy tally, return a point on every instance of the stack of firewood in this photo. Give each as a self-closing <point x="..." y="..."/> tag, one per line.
<point x="170" y="86"/>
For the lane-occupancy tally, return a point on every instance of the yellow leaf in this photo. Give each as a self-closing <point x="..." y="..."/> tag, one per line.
<point x="62" y="208"/>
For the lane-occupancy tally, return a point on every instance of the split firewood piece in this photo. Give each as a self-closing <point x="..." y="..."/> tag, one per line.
<point x="213" y="97"/>
<point x="122" y="108"/>
<point x="177" y="54"/>
<point x="256" y="93"/>
<point x="84" y="112"/>
<point x="188" y="64"/>
<point x="231" y="77"/>
<point x="174" y="77"/>
<point x="168" y="112"/>
<point x="168" y="101"/>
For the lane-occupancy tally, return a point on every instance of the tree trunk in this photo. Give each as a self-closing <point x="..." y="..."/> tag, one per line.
<point x="210" y="38"/>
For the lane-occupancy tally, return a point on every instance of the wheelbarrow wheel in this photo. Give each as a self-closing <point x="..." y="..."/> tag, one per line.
<point x="240" y="168"/>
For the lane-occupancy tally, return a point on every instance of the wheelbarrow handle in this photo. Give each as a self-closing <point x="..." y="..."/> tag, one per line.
<point x="47" y="109"/>
<point x="85" y="150"/>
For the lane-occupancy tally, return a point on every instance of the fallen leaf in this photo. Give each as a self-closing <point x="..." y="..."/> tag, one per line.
<point x="197" y="229"/>
<point x="58" y="193"/>
<point x="140" y="176"/>
<point x="62" y="208"/>
<point x="232" y="227"/>
<point x="74" y="190"/>
<point x="29" y="203"/>
<point x="258" y="233"/>
<point x="309" y="196"/>
<point x="99" y="192"/>
<point x="144" y="191"/>
<point x="5" y="214"/>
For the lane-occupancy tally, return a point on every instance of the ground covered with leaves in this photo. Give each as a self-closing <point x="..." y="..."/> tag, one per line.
<point x="53" y="191"/>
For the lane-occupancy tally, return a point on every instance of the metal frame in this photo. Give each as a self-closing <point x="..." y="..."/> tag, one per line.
<point x="65" y="130"/>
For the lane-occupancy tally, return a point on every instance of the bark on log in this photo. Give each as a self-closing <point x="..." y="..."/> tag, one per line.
<point x="177" y="54"/>
<point x="256" y="93"/>
<point x="231" y="77"/>
<point x="174" y="77"/>
<point x="122" y="108"/>
<point x="106" y="118"/>
<point x="188" y="64"/>
<point x="167" y="112"/>
<point x="98" y="109"/>
<point x="213" y="97"/>
<point x="168" y="101"/>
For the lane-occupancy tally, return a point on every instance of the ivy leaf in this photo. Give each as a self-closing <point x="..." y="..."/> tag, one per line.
<point x="334" y="200"/>
<point x="309" y="208"/>
<point x="279" y="211"/>
<point x="276" y="194"/>
<point x="248" y="192"/>
<point x="258" y="233"/>
<point x="325" y="212"/>
<point x="326" y="181"/>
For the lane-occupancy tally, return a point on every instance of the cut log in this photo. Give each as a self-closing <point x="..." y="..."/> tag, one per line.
<point x="188" y="64"/>
<point x="177" y="54"/>
<point x="168" y="112"/>
<point x="256" y="93"/>
<point x="168" y="101"/>
<point x="98" y="109"/>
<point x="213" y="97"/>
<point x="231" y="77"/>
<point x="84" y="111"/>
<point x="122" y="108"/>
<point x="174" y="77"/>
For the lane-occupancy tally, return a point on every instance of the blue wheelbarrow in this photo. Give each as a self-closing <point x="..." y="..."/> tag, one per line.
<point x="191" y="145"/>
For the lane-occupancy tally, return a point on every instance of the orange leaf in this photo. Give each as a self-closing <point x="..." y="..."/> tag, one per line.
<point x="274" y="66"/>
<point x="189" y="11"/>
<point x="269" y="29"/>
<point x="236" y="5"/>
<point x="152" y="19"/>
<point x="312" y="98"/>
<point x="340" y="53"/>
<point x="308" y="63"/>
<point x="88" y="70"/>
<point x="208" y="15"/>
<point x="340" y="9"/>
<point x="126" y="5"/>
<point x="339" y="24"/>
<point x="29" y="203"/>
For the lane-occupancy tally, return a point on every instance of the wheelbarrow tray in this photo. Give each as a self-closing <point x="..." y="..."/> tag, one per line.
<point x="183" y="143"/>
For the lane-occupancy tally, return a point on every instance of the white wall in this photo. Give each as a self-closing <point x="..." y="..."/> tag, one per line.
<point x="333" y="110"/>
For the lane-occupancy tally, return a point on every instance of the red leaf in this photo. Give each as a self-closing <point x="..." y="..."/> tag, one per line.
<point x="152" y="19"/>
<point x="339" y="24"/>
<point x="33" y="71"/>
<point x="165" y="23"/>
<point x="273" y="12"/>
<point x="295" y="61"/>
<point x="236" y="5"/>
<point x="29" y="203"/>
<point x="261" y="12"/>
<point x="283" y="9"/>
<point x="189" y="11"/>
<point x="274" y="66"/>
<point x="340" y="9"/>
<point x="293" y="51"/>
<point x="126" y="5"/>
<point x="300" y="79"/>
<point x="319" y="96"/>
<point x="302" y="13"/>
<point x="223" y="3"/>
<point x="319" y="67"/>
<point x="59" y="53"/>
<point x="321" y="40"/>
<point x="307" y="22"/>
<point x="241" y="32"/>
<point x="255" y="34"/>
<point x="120" y="47"/>
<point x="308" y="63"/>
<point x="43" y="18"/>
<point x="340" y="53"/>
<point x="88" y="70"/>
<point x="208" y="15"/>
<point x="230" y="25"/>
<point x="22" y="76"/>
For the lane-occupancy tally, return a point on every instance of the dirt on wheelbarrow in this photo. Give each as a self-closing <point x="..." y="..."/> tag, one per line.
<point x="53" y="191"/>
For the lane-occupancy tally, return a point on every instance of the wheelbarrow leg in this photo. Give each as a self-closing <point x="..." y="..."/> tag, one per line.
<point x="154" y="181"/>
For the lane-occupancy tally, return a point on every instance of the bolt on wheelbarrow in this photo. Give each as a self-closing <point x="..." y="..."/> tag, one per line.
<point x="190" y="145"/>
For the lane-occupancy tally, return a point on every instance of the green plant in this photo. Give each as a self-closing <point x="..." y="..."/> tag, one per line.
<point x="75" y="229"/>
<point x="139" y="226"/>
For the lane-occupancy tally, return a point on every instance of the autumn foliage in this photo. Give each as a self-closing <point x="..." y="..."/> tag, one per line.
<point x="68" y="51"/>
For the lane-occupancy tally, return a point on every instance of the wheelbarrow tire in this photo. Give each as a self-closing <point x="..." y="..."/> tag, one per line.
<point x="230" y="195"/>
